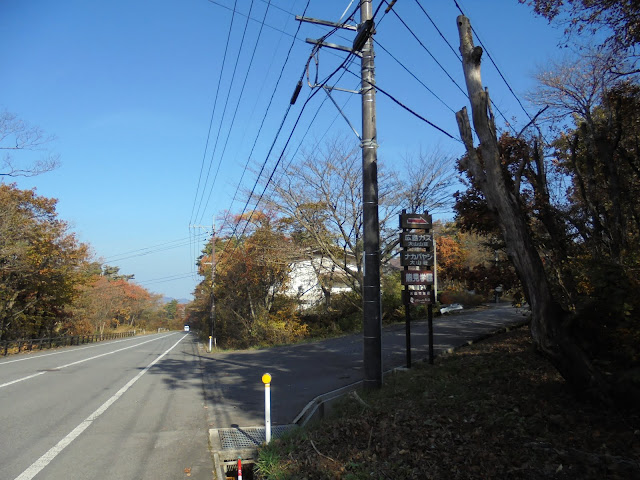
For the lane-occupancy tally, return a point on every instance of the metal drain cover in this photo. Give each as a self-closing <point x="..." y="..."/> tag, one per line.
<point x="247" y="437"/>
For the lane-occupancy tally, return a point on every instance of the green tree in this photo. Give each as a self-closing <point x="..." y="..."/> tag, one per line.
<point x="171" y="308"/>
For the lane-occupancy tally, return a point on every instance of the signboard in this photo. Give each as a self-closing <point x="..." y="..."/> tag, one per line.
<point x="416" y="297"/>
<point x="416" y="259"/>
<point x="415" y="220"/>
<point x="417" y="277"/>
<point x="416" y="240"/>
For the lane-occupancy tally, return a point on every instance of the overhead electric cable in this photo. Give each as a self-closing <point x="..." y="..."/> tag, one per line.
<point x="456" y="53"/>
<point x="414" y="76"/>
<point x="213" y="111"/>
<point x="224" y="111"/>
<point x="311" y="95"/>
<point x="430" y="54"/>
<point x="496" y="67"/>
<point x="408" y="109"/>
<point x="233" y="119"/>
<point x="153" y="249"/>
<point x="268" y="109"/>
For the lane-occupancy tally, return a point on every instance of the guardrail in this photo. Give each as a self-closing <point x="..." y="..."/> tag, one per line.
<point x="27" y="345"/>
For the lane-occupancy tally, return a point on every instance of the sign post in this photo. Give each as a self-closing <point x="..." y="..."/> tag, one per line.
<point x="417" y="257"/>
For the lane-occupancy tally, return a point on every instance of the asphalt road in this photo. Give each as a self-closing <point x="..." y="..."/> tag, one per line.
<point x="141" y="408"/>
<point x="235" y="393"/>
<point x="128" y="409"/>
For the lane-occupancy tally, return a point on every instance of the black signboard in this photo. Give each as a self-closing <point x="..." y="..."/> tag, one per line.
<point x="416" y="240"/>
<point x="416" y="259"/>
<point x="416" y="297"/>
<point x="415" y="220"/>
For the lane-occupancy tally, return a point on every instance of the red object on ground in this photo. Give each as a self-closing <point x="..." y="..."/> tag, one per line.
<point x="239" y="469"/>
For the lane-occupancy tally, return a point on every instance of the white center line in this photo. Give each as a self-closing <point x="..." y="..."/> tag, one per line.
<point x="80" y="361"/>
<point x="46" y="459"/>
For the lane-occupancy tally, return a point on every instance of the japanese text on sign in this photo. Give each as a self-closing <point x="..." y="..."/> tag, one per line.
<point x="416" y="240"/>
<point x="413" y="297"/>
<point x="408" y="259"/>
<point x="417" y="277"/>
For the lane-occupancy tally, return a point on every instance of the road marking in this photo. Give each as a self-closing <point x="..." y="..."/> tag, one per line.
<point x="33" y="357"/>
<point x="21" y="379"/>
<point x="37" y="466"/>
<point x="82" y="361"/>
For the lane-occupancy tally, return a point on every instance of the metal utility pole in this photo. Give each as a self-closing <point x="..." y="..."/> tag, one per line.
<point x="372" y="313"/>
<point x="371" y="284"/>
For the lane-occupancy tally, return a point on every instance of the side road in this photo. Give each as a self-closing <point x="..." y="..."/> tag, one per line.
<point x="235" y="393"/>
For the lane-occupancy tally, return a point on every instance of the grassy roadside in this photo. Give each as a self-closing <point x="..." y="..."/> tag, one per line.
<point x="491" y="410"/>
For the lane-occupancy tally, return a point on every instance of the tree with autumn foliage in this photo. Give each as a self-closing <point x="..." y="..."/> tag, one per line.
<point x="575" y="251"/>
<point x="319" y="198"/>
<point x="108" y="300"/>
<point x="251" y="272"/>
<point x="40" y="265"/>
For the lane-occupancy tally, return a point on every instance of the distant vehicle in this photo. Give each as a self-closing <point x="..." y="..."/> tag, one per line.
<point x="451" y="308"/>
<point x="186" y="328"/>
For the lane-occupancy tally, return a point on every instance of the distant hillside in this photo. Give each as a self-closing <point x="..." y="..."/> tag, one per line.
<point x="180" y="300"/>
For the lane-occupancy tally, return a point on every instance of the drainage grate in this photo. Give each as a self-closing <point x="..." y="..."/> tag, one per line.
<point x="247" y="437"/>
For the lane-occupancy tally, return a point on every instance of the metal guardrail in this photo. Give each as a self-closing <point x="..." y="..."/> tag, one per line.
<point x="30" y="344"/>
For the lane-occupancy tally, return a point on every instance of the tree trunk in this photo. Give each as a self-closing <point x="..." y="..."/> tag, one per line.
<point x="549" y="323"/>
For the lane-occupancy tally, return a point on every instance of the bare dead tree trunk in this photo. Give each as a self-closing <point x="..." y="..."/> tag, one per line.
<point x="549" y="324"/>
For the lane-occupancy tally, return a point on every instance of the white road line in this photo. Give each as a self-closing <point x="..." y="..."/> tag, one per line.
<point x="33" y="357"/>
<point x="82" y="361"/>
<point x="21" y="379"/>
<point x="46" y="459"/>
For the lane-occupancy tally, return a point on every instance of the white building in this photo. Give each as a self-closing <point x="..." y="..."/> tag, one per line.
<point x="305" y="276"/>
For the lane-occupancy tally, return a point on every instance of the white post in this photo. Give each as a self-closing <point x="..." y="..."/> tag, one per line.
<point x="266" y="379"/>
<point x="210" y="343"/>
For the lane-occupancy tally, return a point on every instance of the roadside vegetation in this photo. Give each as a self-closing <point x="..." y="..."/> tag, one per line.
<point x="494" y="409"/>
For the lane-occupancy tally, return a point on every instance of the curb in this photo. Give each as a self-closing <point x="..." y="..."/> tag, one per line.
<point x="321" y="404"/>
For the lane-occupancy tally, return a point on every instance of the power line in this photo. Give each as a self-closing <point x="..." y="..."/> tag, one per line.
<point x="497" y="69"/>
<point x="267" y="109"/>
<point x="311" y="95"/>
<point x="213" y="111"/>
<point x="408" y="109"/>
<point x="233" y="119"/>
<point x="161" y="247"/>
<point x="414" y="76"/>
<point x="456" y="53"/>
<point x="430" y="54"/>
<point x="224" y="111"/>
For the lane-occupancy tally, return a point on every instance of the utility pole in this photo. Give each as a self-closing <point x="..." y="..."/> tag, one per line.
<point x="371" y="284"/>
<point x="372" y="313"/>
<point x="212" y="313"/>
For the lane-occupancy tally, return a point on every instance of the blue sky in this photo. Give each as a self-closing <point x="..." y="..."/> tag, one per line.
<point x="128" y="88"/>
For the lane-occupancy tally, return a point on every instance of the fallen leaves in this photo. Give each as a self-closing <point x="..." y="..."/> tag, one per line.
<point x="493" y="410"/>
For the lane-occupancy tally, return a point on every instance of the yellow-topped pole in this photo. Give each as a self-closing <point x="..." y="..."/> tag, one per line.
<point x="266" y="379"/>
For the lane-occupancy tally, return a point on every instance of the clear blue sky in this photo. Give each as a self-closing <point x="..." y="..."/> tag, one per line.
<point x="129" y="87"/>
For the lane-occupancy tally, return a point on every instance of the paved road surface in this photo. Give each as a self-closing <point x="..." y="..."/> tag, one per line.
<point x="138" y="408"/>
<point x="129" y="409"/>
<point x="235" y="393"/>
